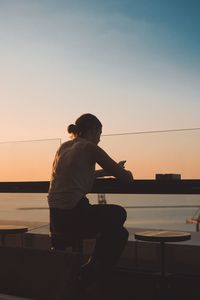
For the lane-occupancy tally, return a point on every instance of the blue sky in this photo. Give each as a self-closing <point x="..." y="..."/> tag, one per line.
<point x="135" y="64"/>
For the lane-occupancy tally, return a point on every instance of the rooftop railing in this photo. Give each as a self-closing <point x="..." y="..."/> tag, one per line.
<point x="26" y="168"/>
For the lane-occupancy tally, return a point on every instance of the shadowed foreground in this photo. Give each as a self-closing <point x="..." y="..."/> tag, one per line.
<point x="132" y="286"/>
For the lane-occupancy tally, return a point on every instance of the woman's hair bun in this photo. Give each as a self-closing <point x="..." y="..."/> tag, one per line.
<point x="72" y="128"/>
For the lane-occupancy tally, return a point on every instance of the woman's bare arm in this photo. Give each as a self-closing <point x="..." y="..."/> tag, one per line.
<point x="103" y="173"/>
<point x="109" y="166"/>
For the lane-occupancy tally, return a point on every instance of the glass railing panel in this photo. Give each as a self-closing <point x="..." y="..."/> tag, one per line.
<point x="146" y="155"/>
<point x="152" y="153"/>
<point x="143" y="211"/>
<point x="156" y="211"/>
<point x="28" y="160"/>
<point x="21" y="208"/>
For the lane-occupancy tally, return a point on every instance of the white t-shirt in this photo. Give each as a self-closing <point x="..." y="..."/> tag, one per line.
<point x="73" y="174"/>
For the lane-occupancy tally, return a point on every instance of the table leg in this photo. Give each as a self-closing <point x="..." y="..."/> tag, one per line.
<point x="3" y="239"/>
<point x="162" y="258"/>
<point x="22" y="240"/>
<point x="136" y="255"/>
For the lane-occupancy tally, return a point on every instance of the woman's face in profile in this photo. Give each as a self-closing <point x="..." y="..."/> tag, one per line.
<point x="96" y="135"/>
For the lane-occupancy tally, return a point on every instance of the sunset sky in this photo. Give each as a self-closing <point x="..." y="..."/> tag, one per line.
<point x="135" y="64"/>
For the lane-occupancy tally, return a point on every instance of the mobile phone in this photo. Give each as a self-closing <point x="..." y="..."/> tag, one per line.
<point x="122" y="163"/>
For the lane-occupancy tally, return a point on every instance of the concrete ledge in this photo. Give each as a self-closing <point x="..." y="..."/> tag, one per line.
<point x="8" y="297"/>
<point x="180" y="258"/>
<point x="38" y="274"/>
<point x="136" y="275"/>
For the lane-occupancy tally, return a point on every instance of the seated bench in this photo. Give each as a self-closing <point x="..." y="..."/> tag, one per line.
<point x="38" y="274"/>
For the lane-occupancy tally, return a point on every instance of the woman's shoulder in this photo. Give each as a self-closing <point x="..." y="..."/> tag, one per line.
<point x="88" y="147"/>
<point x="64" y="146"/>
<point x="83" y="142"/>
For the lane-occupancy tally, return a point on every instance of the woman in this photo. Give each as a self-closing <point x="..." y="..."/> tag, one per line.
<point x="72" y="178"/>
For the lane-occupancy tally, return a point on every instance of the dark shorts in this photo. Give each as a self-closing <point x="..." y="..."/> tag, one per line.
<point x="86" y="219"/>
<point x="102" y="222"/>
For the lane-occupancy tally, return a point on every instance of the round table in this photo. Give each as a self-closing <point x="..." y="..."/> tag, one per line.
<point x="11" y="229"/>
<point x="162" y="236"/>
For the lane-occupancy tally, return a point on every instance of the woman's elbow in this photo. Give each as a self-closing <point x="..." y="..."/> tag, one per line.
<point x="127" y="176"/>
<point x="130" y="176"/>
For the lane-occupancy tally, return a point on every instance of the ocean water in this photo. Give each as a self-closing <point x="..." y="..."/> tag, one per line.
<point x="143" y="211"/>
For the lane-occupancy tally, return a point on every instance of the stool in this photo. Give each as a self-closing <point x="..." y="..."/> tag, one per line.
<point x="162" y="236"/>
<point x="11" y="229"/>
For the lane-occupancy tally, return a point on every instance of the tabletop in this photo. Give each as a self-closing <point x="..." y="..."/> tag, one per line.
<point x="12" y="229"/>
<point x="163" y="236"/>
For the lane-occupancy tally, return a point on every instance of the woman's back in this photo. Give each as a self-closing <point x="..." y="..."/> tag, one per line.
<point x="72" y="174"/>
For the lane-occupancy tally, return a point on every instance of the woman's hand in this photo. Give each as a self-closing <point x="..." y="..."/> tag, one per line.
<point x="101" y="173"/>
<point x="121" y="163"/>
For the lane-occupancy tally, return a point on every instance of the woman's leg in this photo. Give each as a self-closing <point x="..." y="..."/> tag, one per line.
<point x="103" y="222"/>
<point x="106" y="222"/>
